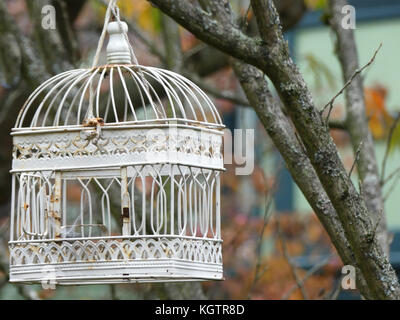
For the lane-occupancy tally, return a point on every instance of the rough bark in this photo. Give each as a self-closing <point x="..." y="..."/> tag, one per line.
<point x="272" y="57"/>
<point x="357" y="123"/>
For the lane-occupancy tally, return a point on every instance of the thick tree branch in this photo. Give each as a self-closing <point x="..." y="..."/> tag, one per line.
<point x="356" y="119"/>
<point x="226" y="37"/>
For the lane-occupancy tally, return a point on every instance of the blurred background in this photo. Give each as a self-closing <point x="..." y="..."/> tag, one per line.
<point x="274" y="246"/>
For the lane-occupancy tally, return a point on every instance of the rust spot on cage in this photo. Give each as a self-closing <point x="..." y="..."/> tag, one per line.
<point x="125" y="212"/>
<point x="93" y="122"/>
<point x="54" y="199"/>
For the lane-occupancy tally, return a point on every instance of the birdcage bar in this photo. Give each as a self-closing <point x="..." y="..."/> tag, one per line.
<point x="39" y="225"/>
<point x="196" y="192"/>
<point x="70" y="89"/>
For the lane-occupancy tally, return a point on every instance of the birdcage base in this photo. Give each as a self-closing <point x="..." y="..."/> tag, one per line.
<point x="116" y="260"/>
<point x="116" y="272"/>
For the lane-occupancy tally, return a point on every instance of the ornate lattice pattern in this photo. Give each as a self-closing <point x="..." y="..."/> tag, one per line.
<point x="183" y="202"/>
<point x="71" y="149"/>
<point x="206" y="251"/>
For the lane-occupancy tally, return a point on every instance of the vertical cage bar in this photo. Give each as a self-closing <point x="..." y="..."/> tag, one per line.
<point x="125" y="206"/>
<point x="64" y="203"/>
<point x="172" y="194"/>
<point x="18" y="208"/>
<point x="27" y="207"/>
<point x="13" y="191"/>
<point x="218" y="207"/>
<point x="22" y="207"/>
<point x="57" y="204"/>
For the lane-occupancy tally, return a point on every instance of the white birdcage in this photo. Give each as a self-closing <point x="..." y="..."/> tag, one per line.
<point x="116" y="176"/>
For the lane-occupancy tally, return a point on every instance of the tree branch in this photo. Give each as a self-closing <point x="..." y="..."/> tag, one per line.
<point x="67" y="33"/>
<point x="19" y="61"/>
<point x="339" y="125"/>
<point x="299" y="283"/>
<point x="266" y="218"/>
<point x="226" y="37"/>
<point x="356" y="119"/>
<point x="388" y="145"/>
<point x="309" y="274"/>
<point x="50" y="43"/>
<point x="349" y="82"/>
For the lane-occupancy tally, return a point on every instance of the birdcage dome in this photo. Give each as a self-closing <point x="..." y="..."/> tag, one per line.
<point x="116" y="177"/>
<point x="118" y="94"/>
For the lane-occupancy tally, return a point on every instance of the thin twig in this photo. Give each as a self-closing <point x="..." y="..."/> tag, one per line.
<point x="388" y="143"/>
<point x="292" y="267"/>
<point x="357" y="72"/>
<point x="391" y="176"/>
<point x="333" y="295"/>
<point x="257" y="273"/>
<point x="339" y="125"/>
<point x="309" y="273"/>
<point x="394" y="184"/>
<point x="267" y="216"/>
<point x="245" y="21"/>
<point x="356" y="158"/>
